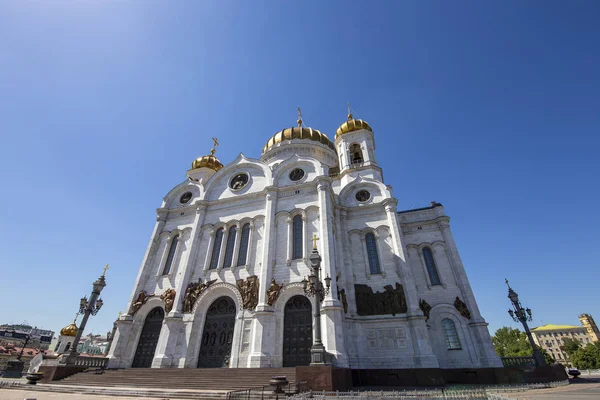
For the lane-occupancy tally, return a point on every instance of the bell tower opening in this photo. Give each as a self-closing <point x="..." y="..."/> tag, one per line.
<point x="356" y="155"/>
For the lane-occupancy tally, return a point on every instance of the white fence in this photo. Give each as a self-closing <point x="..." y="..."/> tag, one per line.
<point x="589" y="372"/>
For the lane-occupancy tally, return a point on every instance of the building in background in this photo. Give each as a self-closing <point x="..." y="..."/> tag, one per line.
<point x="551" y="337"/>
<point x="17" y="334"/>
<point x="93" y="345"/>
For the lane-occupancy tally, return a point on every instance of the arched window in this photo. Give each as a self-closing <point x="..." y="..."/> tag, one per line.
<point x="171" y="255"/>
<point x="68" y="346"/>
<point x="356" y="155"/>
<point x="297" y="237"/>
<point x="214" y="258"/>
<point x="450" y="334"/>
<point x="432" y="271"/>
<point x="244" y="245"/>
<point x="57" y="347"/>
<point x="230" y="246"/>
<point x="374" y="265"/>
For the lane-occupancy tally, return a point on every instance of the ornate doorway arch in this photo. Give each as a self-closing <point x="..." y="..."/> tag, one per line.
<point x="144" y="353"/>
<point x="217" y="338"/>
<point x="297" y="332"/>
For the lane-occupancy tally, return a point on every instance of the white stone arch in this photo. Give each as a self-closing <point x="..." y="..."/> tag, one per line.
<point x="379" y="192"/>
<point x="362" y="233"/>
<point x="310" y="165"/>
<point x="171" y="199"/>
<point x="467" y="355"/>
<point x="195" y="324"/>
<point x="220" y="180"/>
<point x="168" y="236"/>
<point x="139" y="319"/>
<point x="288" y="291"/>
<point x="423" y="264"/>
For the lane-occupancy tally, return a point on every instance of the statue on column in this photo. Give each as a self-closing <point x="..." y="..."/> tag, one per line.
<point x="193" y="293"/>
<point x="139" y="301"/>
<point x="169" y="298"/>
<point x="273" y="292"/>
<point x="249" y="291"/>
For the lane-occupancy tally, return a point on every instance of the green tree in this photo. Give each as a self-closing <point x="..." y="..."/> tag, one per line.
<point x="587" y="357"/>
<point x="570" y="346"/>
<point x="549" y="359"/>
<point x="511" y="342"/>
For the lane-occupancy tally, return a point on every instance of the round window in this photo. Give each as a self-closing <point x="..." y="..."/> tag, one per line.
<point x="187" y="196"/>
<point x="363" y="195"/>
<point x="239" y="181"/>
<point x="297" y="174"/>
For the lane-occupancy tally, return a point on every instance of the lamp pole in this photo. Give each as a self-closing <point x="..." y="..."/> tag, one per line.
<point x="522" y="315"/>
<point x="87" y="308"/>
<point x="314" y="287"/>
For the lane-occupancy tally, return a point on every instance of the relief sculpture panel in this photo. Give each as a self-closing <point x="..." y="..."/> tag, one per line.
<point x="391" y="301"/>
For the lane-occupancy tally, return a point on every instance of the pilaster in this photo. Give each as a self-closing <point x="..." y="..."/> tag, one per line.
<point x="165" y="349"/>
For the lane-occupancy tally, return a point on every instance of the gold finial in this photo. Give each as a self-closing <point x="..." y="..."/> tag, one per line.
<point x="120" y="313"/>
<point x="75" y="319"/>
<point x="215" y="144"/>
<point x="349" y="112"/>
<point x="105" y="268"/>
<point x="314" y="240"/>
<point x="299" y="121"/>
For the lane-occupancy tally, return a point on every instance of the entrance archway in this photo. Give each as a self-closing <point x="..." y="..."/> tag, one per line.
<point x="144" y="353"/>
<point x="297" y="332"/>
<point x="215" y="348"/>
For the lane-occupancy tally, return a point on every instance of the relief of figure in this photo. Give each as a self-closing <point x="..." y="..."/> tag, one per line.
<point x="193" y="292"/>
<point x="249" y="291"/>
<point x="462" y="308"/>
<point x="390" y="301"/>
<point x="273" y="292"/>
<point x="426" y="308"/>
<point x="139" y="302"/>
<point x="169" y="298"/>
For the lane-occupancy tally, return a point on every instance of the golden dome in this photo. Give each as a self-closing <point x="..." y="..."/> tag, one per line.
<point x="69" y="330"/>
<point x="298" y="132"/>
<point x="352" y="125"/>
<point x="210" y="161"/>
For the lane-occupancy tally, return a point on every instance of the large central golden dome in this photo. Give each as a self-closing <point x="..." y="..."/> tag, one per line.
<point x="298" y="132"/>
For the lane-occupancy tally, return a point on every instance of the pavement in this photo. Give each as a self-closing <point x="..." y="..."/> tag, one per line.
<point x="13" y="394"/>
<point x="580" y="389"/>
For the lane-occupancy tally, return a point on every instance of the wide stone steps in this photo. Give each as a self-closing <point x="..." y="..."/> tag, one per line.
<point x="202" y="379"/>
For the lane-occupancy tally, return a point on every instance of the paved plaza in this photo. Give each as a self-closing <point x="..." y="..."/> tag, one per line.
<point x="12" y="394"/>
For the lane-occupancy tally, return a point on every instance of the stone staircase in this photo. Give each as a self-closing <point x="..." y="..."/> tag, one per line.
<point x="206" y="383"/>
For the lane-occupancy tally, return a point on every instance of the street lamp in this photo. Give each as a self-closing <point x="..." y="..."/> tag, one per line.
<point x="314" y="287"/>
<point x="522" y="315"/>
<point x="87" y="308"/>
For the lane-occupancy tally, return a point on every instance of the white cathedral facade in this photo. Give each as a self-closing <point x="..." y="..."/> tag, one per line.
<point x="221" y="283"/>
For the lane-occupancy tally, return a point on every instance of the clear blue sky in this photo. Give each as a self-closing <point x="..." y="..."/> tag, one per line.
<point x="491" y="108"/>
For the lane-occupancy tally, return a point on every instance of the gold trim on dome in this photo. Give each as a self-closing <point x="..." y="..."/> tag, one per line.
<point x="298" y="132"/>
<point x="352" y="125"/>
<point x="211" y="162"/>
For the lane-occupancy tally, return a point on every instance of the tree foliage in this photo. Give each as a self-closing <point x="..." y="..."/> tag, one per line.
<point x="587" y="357"/>
<point x="570" y="346"/>
<point x="511" y="342"/>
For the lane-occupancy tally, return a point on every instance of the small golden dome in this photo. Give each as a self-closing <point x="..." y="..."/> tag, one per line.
<point x="69" y="330"/>
<point x="210" y="161"/>
<point x="298" y="132"/>
<point x="352" y="125"/>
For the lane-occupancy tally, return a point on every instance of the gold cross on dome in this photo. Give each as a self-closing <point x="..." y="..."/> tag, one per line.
<point x="215" y="144"/>
<point x="314" y="240"/>
<point x="120" y="313"/>
<point x="299" y="117"/>
<point x="105" y="269"/>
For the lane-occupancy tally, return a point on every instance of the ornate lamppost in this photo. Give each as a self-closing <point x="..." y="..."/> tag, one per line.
<point x="314" y="287"/>
<point x="522" y="315"/>
<point x="87" y="308"/>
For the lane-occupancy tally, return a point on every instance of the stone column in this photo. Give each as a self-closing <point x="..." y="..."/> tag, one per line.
<point x="223" y="248"/>
<point x="263" y="324"/>
<point x="208" y="255"/>
<point x="236" y="246"/>
<point x="117" y="355"/>
<point x="332" y="310"/>
<point x="143" y="274"/>
<point x="290" y="244"/>
<point x="173" y="322"/>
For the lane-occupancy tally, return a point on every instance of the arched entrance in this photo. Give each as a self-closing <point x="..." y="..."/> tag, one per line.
<point x="215" y="348"/>
<point x="297" y="332"/>
<point x="144" y="353"/>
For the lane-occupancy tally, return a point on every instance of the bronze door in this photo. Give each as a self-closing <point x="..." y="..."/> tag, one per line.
<point x="215" y="348"/>
<point x="297" y="332"/>
<point x="144" y="353"/>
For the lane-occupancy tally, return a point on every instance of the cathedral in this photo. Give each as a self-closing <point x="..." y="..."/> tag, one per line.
<point x="223" y="282"/>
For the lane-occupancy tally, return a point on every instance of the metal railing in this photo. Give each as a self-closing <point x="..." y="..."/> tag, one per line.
<point x="266" y="392"/>
<point x="495" y="392"/>
<point x="517" y="361"/>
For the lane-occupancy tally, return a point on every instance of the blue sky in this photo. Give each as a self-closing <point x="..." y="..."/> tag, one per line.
<point x="491" y="108"/>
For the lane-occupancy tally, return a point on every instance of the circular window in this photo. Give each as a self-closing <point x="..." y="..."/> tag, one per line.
<point x="239" y="181"/>
<point x="297" y="174"/>
<point x="363" y="195"/>
<point x="187" y="196"/>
